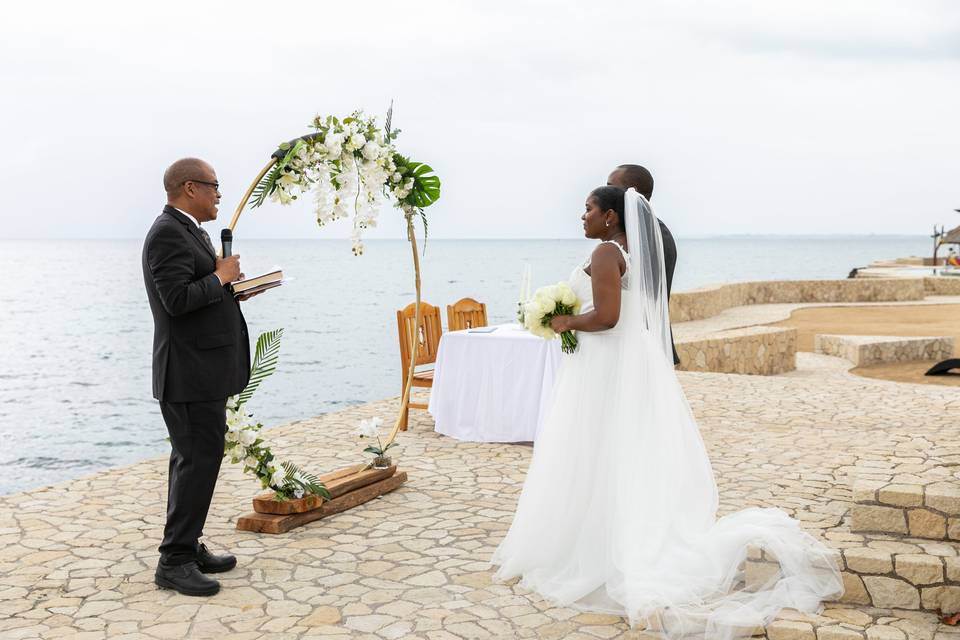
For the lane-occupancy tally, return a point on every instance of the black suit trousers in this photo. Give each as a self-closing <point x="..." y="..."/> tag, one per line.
<point x="197" y="437"/>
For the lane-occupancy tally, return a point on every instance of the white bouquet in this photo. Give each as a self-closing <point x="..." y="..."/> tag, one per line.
<point x="546" y="303"/>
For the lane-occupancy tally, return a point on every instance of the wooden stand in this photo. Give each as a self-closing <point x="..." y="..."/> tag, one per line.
<point x="348" y="488"/>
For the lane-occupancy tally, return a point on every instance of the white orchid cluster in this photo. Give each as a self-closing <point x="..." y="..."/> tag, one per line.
<point x="371" y="429"/>
<point x="351" y="164"/>
<point x="244" y="444"/>
<point x="547" y="303"/>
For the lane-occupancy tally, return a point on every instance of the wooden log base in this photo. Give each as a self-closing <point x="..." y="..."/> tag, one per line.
<point x="277" y="523"/>
<point x="338" y="483"/>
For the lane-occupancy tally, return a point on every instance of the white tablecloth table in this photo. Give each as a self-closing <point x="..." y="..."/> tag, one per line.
<point x="492" y="387"/>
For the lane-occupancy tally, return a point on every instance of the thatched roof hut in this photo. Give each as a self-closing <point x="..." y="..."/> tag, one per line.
<point x="951" y="237"/>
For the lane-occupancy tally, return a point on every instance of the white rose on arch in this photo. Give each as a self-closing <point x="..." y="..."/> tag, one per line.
<point x="371" y="150"/>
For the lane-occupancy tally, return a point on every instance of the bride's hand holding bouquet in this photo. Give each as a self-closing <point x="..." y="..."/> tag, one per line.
<point x="548" y="314"/>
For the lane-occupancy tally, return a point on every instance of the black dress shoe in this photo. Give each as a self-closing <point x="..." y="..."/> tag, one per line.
<point x="185" y="579"/>
<point x="209" y="563"/>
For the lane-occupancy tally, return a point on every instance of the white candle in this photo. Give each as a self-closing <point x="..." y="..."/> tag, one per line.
<point x="525" y="283"/>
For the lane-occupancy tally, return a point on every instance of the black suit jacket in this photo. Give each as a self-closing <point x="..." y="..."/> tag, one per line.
<point x="201" y="351"/>
<point x="670" y="264"/>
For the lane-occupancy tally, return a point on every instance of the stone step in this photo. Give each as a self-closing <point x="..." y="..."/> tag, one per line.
<point x="842" y="622"/>
<point x="759" y="350"/>
<point x="864" y="350"/>
<point x="838" y="622"/>
<point x="885" y="572"/>
<point x="930" y="511"/>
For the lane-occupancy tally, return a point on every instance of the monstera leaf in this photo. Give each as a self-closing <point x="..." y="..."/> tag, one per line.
<point x="426" y="185"/>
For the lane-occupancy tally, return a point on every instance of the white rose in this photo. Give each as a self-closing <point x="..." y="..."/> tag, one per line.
<point x="247" y="437"/>
<point x="371" y="150"/>
<point x="545" y="304"/>
<point x="278" y="478"/>
<point x="531" y="314"/>
<point x="357" y="140"/>
<point x="251" y="462"/>
<point x="567" y="296"/>
<point x="333" y="144"/>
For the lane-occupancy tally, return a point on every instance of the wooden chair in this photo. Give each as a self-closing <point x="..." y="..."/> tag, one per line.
<point x="423" y="350"/>
<point x="466" y="314"/>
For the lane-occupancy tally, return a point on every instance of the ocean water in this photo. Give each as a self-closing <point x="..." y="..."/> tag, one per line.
<point x="76" y="331"/>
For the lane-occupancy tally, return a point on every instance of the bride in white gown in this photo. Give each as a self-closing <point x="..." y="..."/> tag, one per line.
<point x="618" y="511"/>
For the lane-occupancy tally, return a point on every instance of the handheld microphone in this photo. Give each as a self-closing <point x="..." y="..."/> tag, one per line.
<point x="226" y="242"/>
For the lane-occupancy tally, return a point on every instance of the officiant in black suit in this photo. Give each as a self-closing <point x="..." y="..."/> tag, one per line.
<point x="633" y="175"/>
<point x="201" y="356"/>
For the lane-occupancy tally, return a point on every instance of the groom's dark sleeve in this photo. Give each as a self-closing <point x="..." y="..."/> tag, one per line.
<point x="172" y="266"/>
<point x="670" y="264"/>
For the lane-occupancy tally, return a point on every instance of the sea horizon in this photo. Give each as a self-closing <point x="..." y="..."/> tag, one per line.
<point x="75" y="392"/>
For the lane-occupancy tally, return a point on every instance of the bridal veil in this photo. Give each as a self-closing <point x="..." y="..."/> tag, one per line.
<point x="618" y="513"/>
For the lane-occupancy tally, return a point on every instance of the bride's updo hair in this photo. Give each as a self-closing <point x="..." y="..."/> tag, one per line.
<point x="610" y="197"/>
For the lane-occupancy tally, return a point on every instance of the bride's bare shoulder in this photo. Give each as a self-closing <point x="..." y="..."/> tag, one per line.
<point x="607" y="253"/>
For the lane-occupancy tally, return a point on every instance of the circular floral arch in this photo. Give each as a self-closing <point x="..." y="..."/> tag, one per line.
<point x="351" y="166"/>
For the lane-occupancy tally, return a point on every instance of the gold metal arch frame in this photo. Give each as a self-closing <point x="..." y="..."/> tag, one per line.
<point x="411" y="236"/>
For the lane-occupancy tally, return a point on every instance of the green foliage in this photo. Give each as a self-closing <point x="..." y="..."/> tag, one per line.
<point x="426" y="185"/>
<point x="264" y="362"/>
<point x="389" y="123"/>
<point x="268" y="183"/>
<point x="297" y="478"/>
<point x="377" y="451"/>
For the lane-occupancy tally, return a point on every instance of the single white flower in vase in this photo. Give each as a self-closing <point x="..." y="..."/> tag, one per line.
<point x="371" y="429"/>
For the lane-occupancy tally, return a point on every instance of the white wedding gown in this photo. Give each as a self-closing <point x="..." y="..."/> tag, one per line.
<point x="618" y="511"/>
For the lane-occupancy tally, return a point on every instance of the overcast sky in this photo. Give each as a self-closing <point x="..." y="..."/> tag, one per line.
<point x="800" y="117"/>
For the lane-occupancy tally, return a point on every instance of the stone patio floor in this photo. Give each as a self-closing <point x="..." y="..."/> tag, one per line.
<point x="77" y="559"/>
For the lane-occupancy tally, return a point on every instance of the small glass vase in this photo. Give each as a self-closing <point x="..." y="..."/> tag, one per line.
<point x="381" y="462"/>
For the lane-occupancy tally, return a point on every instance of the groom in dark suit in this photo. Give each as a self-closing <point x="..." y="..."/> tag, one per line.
<point x="633" y="175"/>
<point x="201" y="356"/>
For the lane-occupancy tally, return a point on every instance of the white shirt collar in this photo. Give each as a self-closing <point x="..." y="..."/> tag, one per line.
<point x="192" y="219"/>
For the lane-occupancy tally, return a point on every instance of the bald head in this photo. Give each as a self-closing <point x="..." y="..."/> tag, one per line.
<point x="632" y="175"/>
<point x="192" y="186"/>
<point x="183" y="170"/>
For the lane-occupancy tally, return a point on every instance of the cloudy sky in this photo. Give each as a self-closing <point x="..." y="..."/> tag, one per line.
<point x="788" y="117"/>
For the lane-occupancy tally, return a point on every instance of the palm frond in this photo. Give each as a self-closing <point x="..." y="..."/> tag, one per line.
<point x="423" y="219"/>
<point x="389" y="120"/>
<point x="268" y="183"/>
<point x="265" y="187"/>
<point x="264" y="362"/>
<point x="306" y="481"/>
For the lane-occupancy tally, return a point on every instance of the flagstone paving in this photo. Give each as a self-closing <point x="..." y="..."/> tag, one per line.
<point x="77" y="559"/>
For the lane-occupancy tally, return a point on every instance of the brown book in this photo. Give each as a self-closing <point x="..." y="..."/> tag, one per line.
<point x="258" y="283"/>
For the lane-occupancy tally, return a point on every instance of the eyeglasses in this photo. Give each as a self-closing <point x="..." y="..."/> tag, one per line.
<point x="215" y="185"/>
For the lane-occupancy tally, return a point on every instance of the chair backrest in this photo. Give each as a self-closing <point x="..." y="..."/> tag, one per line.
<point x="425" y="345"/>
<point x="466" y="314"/>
